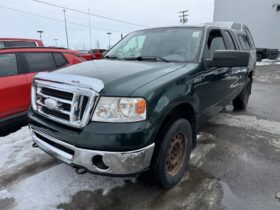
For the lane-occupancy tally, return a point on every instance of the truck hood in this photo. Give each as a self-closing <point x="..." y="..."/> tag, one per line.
<point x="121" y="78"/>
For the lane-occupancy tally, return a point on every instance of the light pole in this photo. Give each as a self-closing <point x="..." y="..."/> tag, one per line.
<point x="66" y="32"/>
<point x="55" y="40"/>
<point x="109" y="36"/>
<point x="90" y="33"/>
<point x="40" y="32"/>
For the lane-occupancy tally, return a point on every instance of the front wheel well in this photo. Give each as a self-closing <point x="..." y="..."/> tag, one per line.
<point x="184" y="110"/>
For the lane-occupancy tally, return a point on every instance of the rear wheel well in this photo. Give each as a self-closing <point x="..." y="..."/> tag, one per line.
<point x="183" y="110"/>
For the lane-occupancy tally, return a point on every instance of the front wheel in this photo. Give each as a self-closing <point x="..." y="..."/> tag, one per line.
<point x="173" y="153"/>
<point x="241" y="101"/>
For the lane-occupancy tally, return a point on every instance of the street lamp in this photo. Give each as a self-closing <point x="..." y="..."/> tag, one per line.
<point x="109" y="36"/>
<point x="40" y="32"/>
<point x="55" y="40"/>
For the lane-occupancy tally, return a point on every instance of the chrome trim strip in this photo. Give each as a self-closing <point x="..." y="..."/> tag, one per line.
<point x="52" y="97"/>
<point x="119" y="163"/>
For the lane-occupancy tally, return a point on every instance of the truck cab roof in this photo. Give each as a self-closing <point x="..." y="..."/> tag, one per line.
<point x="223" y="25"/>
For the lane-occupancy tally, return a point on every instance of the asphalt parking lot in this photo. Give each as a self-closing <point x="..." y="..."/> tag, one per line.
<point x="235" y="166"/>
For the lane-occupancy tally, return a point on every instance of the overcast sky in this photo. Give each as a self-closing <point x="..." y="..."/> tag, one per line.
<point x="23" y="18"/>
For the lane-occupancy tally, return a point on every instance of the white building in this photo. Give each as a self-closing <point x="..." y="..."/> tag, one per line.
<point x="261" y="16"/>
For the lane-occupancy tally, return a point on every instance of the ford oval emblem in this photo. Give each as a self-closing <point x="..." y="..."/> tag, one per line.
<point x="51" y="104"/>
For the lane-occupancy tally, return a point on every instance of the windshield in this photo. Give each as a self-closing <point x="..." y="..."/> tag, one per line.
<point x="170" y="44"/>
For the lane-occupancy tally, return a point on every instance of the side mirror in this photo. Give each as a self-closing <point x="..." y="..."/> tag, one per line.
<point x="229" y="58"/>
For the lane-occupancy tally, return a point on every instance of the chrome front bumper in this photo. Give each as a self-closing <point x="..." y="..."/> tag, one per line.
<point x="111" y="163"/>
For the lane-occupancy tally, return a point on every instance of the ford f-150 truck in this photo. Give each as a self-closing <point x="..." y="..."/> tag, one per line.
<point x="139" y="109"/>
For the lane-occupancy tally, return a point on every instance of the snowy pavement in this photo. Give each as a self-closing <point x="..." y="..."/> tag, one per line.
<point x="235" y="166"/>
<point x="266" y="62"/>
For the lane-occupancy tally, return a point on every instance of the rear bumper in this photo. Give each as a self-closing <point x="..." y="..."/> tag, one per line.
<point x="110" y="163"/>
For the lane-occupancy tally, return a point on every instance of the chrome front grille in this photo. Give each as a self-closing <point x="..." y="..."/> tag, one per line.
<point x="64" y="100"/>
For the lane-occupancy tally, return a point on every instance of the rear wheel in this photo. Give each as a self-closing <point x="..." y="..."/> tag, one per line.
<point x="241" y="101"/>
<point x="173" y="153"/>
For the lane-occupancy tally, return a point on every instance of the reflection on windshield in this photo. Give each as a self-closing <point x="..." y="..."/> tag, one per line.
<point x="178" y="44"/>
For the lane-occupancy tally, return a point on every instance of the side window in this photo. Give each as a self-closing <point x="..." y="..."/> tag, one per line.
<point x="245" y="43"/>
<point x="2" y="45"/>
<point x="8" y="65"/>
<point x="215" y="42"/>
<point x="230" y="42"/>
<point x="37" y="62"/>
<point x="20" y="44"/>
<point x="59" y="59"/>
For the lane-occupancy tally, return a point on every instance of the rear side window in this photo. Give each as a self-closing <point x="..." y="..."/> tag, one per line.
<point x="8" y="65"/>
<point x="20" y="44"/>
<point x="37" y="62"/>
<point x="245" y="43"/>
<point x="59" y="59"/>
<point x="230" y="42"/>
<point x="2" y="45"/>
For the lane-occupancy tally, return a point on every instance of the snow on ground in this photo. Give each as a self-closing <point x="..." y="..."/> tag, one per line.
<point x="205" y="143"/>
<point x="56" y="185"/>
<point x="48" y="188"/>
<point x="45" y="189"/>
<point x="273" y="77"/>
<point x="248" y="122"/>
<point x="252" y="123"/>
<point x="266" y="62"/>
<point x="16" y="149"/>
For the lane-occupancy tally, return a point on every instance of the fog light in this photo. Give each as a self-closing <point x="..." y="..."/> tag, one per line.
<point x="98" y="162"/>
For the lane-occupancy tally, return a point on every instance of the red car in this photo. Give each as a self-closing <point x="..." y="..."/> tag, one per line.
<point x="17" y="42"/>
<point x="86" y="56"/>
<point x="94" y="54"/>
<point x="97" y="53"/>
<point x="17" y="69"/>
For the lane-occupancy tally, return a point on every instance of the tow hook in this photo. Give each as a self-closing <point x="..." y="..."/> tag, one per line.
<point x="80" y="170"/>
<point x="35" y="145"/>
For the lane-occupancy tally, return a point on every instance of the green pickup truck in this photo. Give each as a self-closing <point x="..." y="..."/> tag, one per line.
<point x="139" y="109"/>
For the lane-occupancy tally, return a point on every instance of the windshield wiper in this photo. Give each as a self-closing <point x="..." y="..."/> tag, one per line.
<point x="113" y="57"/>
<point x="145" y="58"/>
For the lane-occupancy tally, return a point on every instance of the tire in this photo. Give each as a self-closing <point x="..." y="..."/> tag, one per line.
<point x="259" y="57"/>
<point x="173" y="153"/>
<point x="241" y="101"/>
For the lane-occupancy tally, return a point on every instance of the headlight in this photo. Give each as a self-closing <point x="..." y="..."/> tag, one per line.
<point x="116" y="109"/>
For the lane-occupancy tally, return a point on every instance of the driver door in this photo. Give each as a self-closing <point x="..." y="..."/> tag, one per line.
<point x="211" y="85"/>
